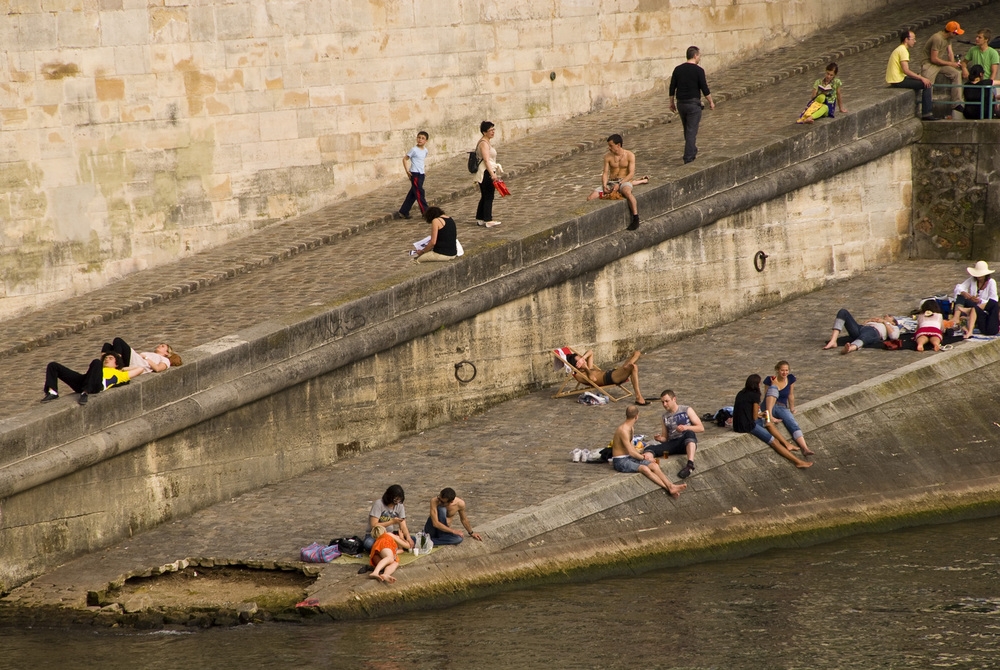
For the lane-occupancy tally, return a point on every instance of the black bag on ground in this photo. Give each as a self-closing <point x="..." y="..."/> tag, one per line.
<point x="721" y="417"/>
<point x="473" y="162"/>
<point x="349" y="545"/>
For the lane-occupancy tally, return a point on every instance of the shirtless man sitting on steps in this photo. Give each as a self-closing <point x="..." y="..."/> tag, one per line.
<point x="625" y="458"/>
<point x="628" y="371"/>
<point x="619" y="174"/>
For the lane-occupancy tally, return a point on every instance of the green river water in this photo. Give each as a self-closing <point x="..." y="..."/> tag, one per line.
<point x="920" y="598"/>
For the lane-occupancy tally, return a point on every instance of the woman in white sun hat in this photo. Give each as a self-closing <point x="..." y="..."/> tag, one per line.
<point x="976" y="297"/>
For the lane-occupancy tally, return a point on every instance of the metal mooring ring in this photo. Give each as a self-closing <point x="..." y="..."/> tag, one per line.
<point x="459" y="365"/>
<point x="759" y="261"/>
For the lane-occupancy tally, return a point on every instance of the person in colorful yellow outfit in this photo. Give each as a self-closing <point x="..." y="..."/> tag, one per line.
<point x="825" y="98"/>
<point x="102" y="374"/>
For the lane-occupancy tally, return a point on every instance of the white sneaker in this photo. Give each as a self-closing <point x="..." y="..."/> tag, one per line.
<point x="586" y="456"/>
<point x="577" y="455"/>
<point x="480" y="222"/>
<point x="491" y="224"/>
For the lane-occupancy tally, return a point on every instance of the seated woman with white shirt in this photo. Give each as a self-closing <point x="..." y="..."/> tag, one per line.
<point x="976" y="298"/>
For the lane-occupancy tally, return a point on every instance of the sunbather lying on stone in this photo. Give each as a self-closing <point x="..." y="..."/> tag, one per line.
<point x="157" y="360"/>
<point x="625" y="458"/>
<point x="628" y="371"/>
<point x="103" y="373"/>
<point x="871" y="332"/>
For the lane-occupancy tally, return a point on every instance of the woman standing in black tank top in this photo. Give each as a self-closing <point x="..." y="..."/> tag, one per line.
<point x="444" y="237"/>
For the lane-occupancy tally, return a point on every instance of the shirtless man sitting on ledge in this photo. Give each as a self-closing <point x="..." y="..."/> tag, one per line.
<point x="619" y="175"/>
<point x="628" y="371"/>
<point x="625" y="458"/>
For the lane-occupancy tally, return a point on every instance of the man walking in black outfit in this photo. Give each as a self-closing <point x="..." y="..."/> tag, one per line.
<point x="688" y="84"/>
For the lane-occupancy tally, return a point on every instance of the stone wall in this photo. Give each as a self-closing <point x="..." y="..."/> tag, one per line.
<point x="956" y="191"/>
<point x="135" y="132"/>
<point x="192" y="440"/>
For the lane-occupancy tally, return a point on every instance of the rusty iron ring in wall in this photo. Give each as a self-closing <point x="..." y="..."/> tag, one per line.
<point x="459" y="366"/>
<point x="759" y="261"/>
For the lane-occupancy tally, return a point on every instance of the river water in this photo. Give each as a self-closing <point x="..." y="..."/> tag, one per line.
<point x="919" y="598"/>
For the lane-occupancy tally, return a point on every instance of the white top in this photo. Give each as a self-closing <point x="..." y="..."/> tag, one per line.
<point x="988" y="293"/>
<point x="482" y="163"/>
<point x="887" y="331"/>
<point x="417" y="157"/>
<point x="144" y="359"/>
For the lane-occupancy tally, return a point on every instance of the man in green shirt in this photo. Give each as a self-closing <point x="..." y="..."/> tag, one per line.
<point x="940" y="59"/>
<point x="982" y="54"/>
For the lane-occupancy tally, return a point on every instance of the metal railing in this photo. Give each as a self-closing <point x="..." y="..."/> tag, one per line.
<point x="992" y="107"/>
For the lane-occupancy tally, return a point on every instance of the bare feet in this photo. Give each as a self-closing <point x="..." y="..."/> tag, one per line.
<point x="793" y="448"/>
<point x="808" y="119"/>
<point x="803" y="464"/>
<point x="378" y="577"/>
<point x="675" y="490"/>
<point x="392" y="580"/>
<point x="967" y="335"/>
<point x="832" y="344"/>
<point x="920" y="347"/>
<point x="937" y="346"/>
<point x="848" y="348"/>
<point x="806" y="451"/>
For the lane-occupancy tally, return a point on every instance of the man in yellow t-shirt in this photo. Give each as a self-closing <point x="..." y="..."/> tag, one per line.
<point x="899" y="75"/>
<point x="103" y="373"/>
<point x="939" y="59"/>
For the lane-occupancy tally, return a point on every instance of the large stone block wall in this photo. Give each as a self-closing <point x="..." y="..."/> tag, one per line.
<point x="707" y="273"/>
<point x="134" y="132"/>
<point x="956" y="191"/>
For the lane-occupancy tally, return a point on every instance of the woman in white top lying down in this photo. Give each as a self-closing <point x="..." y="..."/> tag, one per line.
<point x="157" y="360"/>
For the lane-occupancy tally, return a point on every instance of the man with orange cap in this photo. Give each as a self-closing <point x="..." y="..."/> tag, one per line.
<point x="940" y="59"/>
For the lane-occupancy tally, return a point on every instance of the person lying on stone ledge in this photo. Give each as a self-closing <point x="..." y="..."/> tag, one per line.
<point x="628" y="371"/>
<point x="103" y="373"/>
<point x="158" y="360"/>
<point x="870" y="333"/>
<point x="625" y="458"/>
<point x="384" y="557"/>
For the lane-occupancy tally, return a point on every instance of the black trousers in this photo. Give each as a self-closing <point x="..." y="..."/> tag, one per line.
<point x="926" y="107"/>
<point x="89" y="382"/>
<point x="484" y="212"/>
<point x="120" y="347"/>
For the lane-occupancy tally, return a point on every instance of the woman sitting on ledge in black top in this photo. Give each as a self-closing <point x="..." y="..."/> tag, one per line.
<point x="444" y="237"/>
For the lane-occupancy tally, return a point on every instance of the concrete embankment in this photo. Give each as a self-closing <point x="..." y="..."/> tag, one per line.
<point x="910" y="447"/>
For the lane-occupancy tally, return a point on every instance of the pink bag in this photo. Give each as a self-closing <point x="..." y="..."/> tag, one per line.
<point x="318" y="553"/>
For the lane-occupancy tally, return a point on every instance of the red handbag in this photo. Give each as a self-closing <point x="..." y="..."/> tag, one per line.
<point x="501" y="188"/>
